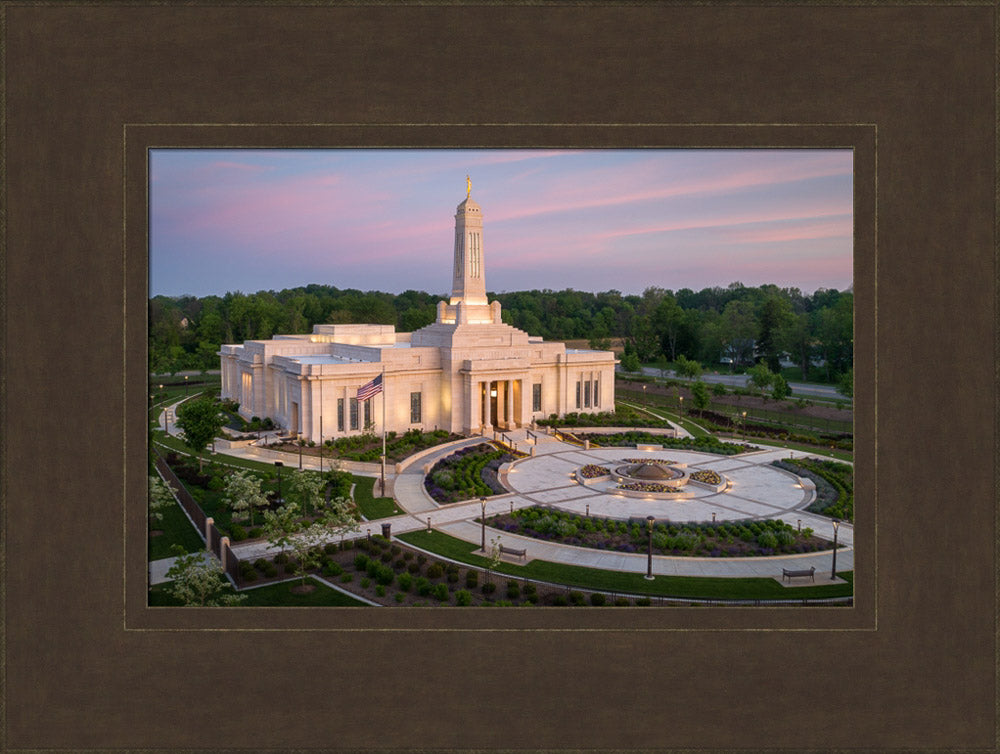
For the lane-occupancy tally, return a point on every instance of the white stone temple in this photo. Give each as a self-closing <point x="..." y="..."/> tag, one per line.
<point x="467" y="373"/>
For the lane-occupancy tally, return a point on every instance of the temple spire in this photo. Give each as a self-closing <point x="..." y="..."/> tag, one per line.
<point x="468" y="283"/>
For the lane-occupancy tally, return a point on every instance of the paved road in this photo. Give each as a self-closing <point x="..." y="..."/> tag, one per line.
<point x="800" y="389"/>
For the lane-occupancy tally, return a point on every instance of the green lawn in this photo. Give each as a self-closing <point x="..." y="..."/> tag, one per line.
<point x="177" y="529"/>
<point x="634" y="583"/>
<point x="372" y="507"/>
<point x="274" y="595"/>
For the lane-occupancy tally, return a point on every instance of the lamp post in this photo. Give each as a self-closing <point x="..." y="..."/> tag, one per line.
<point x="744" y="426"/>
<point x="649" y="548"/>
<point x="185" y="384"/>
<point x="369" y="540"/>
<point x="833" y="571"/>
<point x="279" y="464"/>
<point x="681" y="398"/>
<point x="299" y="435"/>
<point x="482" y="521"/>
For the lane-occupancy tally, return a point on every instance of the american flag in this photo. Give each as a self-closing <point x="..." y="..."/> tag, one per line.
<point x="370" y="389"/>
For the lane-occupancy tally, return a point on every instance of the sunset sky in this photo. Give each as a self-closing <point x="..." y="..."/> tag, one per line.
<point x="593" y="220"/>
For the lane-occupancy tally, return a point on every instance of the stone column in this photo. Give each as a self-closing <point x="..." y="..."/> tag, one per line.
<point x="223" y="543"/>
<point x="509" y="388"/>
<point x="208" y="536"/>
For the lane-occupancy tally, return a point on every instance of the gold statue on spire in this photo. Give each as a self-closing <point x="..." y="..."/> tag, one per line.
<point x="468" y="187"/>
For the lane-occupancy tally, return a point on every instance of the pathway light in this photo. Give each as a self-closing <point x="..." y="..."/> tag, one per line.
<point x="649" y="556"/>
<point x="833" y="571"/>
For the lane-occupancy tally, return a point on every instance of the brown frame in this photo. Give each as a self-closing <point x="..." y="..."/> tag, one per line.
<point x="912" y="666"/>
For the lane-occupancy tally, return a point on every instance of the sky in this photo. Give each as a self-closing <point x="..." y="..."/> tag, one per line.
<point x="592" y="220"/>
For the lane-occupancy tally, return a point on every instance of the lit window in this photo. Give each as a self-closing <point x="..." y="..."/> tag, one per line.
<point x="415" y="408"/>
<point x="579" y="389"/>
<point x="536" y="397"/>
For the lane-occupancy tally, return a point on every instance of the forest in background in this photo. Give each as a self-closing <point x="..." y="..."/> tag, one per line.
<point x="740" y="323"/>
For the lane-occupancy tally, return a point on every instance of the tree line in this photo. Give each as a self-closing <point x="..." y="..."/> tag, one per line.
<point x="737" y="325"/>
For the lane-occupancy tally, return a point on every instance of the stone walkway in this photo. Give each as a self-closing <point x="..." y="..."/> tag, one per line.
<point x="758" y="491"/>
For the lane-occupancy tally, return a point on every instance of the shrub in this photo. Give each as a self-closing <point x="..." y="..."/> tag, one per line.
<point x="513" y="590"/>
<point x="237" y="532"/>
<point x="421" y="558"/>
<point x="404" y="582"/>
<point x="489" y="587"/>
<point x="332" y="569"/>
<point x="767" y="540"/>
<point x="361" y="562"/>
<point x="395" y="550"/>
<point x="399" y="565"/>
<point x="385" y="575"/>
<point x="644" y="602"/>
<point x="408" y="555"/>
<point x="346" y="578"/>
<point x="463" y="597"/>
<point x="256" y="532"/>
<point x="472" y="579"/>
<point x="621" y="602"/>
<point x="380" y="590"/>
<point x="441" y="592"/>
<point x="400" y="597"/>
<point x="576" y="598"/>
<point x="560" y="600"/>
<point x="435" y="571"/>
<point x="329" y="548"/>
<point x="365" y="583"/>
<point x="281" y="558"/>
<point x="385" y="557"/>
<point x="597" y="599"/>
<point x="216" y="484"/>
<point x="530" y="588"/>
<point x="424" y="587"/>
<point x="413" y="567"/>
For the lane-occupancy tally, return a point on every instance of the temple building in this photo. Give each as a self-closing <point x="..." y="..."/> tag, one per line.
<point x="468" y="372"/>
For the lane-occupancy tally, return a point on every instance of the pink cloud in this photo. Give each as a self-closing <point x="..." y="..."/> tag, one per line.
<point x="842" y="227"/>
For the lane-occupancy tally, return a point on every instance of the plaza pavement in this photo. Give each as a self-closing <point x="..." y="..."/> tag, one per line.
<point x="758" y="490"/>
<point x="545" y="480"/>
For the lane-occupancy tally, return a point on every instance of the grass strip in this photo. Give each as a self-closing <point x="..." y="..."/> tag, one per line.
<point x="177" y="529"/>
<point x="273" y="595"/>
<point x="373" y="507"/>
<point x="685" y="587"/>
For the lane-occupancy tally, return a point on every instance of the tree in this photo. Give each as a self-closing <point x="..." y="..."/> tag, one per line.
<point x="306" y="489"/>
<point x="286" y="529"/>
<point x="200" y="582"/>
<point x="338" y="482"/>
<point x="201" y="420"/>
<point x="160" y="498"/>
<point x="688" y="368"/>
<point x="796" y="338"/>
<point x="760" y="377"/>
<point x="845" y="385"/>
<point x="780" y="388"/>
<point x="774" y="313"/>
<point x="630" y="363"/>
<point x="243" y="493"/>
<point x="739" y="328"/>
<point x="699" y="394"/>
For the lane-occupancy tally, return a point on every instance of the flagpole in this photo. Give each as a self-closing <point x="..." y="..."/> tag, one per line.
<point x="383" y="431"/>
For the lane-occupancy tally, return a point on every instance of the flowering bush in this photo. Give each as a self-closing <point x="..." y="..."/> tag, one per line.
<point x="707" y="477"/>
<point x="592" y="471"/>
<point x="647" y="487"/>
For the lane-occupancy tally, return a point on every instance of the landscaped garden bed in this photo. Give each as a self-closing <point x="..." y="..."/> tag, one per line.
<point x="708" y="540"/>
<point x="367" y="447"/>
<point x="699" y="444"/>
<point x="592" y="473"/>
<point x="834" y="484"/>
<point x="467" y="473"/>
<point x="391" y="574"/>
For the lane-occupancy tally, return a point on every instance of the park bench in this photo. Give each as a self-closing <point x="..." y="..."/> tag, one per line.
<point x="505" y="550"/>
<point x="785" y="573"/>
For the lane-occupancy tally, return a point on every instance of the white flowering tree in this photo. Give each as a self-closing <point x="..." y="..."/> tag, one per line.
<point x="198" y="580"/>
<point x="160" y="498"/>
<point x="286" y="529"/>
<point x="243" y="493"/>
<point x="307" y="490"/>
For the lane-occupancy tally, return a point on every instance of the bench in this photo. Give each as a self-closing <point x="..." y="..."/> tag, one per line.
<point x="505" y="550"/>
<point x="785" y="573"/>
